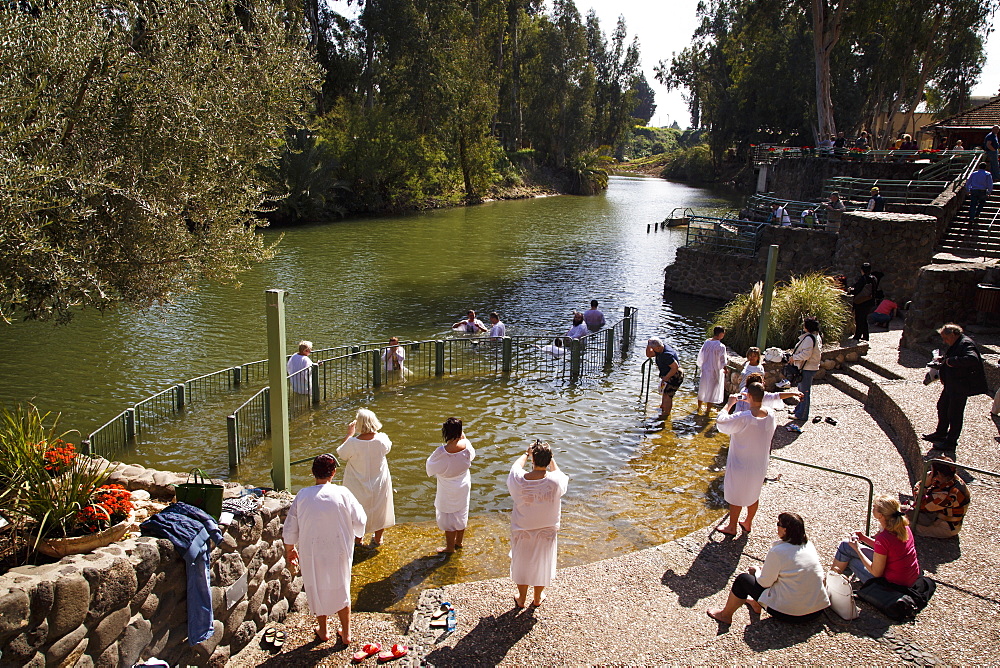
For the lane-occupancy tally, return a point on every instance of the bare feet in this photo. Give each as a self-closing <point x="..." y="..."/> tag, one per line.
<point x="745" y="527"/>
<point x="518" y="602"/>
<point x="754" y="605"/>
<point x="458" y="546"/>
<point x="322" y="637"/>
<point x="538" y="602"/>
<point x="341" y="640"/>
<point x="716" y="614"/>
<point x="729" y="529"/>
<point x="444" y="550"/>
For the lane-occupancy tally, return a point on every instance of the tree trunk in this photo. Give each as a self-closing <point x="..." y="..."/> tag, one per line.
<point x="826" y="33"/>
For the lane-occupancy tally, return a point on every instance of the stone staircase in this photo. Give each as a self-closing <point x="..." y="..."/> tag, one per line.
<point x="855" y="379"/>
<point x="980" y="238"/>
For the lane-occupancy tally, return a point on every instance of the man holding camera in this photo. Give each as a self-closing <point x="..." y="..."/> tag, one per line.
<point x="963" y="376"/>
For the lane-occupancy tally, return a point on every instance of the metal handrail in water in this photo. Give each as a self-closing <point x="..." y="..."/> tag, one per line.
<point x="724" y="235"/>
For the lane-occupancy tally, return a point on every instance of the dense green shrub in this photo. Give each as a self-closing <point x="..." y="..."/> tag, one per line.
<point x="691" y="164"/>
<point x="811" y="294"/>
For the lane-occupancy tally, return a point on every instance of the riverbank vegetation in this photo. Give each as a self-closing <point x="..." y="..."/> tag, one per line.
<point x="814" y="294"/>
<point x="760" y="71"/>
<point x="676" y="155"/>
<point x="142" y="144"/>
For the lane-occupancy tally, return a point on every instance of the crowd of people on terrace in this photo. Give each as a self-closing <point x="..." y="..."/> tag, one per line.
<point x="326" y="522"/>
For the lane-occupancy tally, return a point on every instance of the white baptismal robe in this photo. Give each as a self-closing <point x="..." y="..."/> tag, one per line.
<point x="323" y="521"/>
<point x="712" y="362"/>
<point x="454" y="485"/>
<point x="534" y="525"/>
<point x="749" y="453"/>
<point x="366" y="474"/>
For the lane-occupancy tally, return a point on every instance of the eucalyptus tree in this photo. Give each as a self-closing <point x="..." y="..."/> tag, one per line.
<point x="130" y="137"/>
<point x="616" y="66"/>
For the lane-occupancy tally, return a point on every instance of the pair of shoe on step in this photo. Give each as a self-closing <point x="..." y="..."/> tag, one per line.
<point x="273" y="639"/>
<point x="397" y="651"/>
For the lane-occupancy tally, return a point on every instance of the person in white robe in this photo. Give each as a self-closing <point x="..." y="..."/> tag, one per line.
<point x="450" y="463"/>
<point x="754" y="364"/>
<point x="534" y="521"/>
<point x="393" y="358"/>
<point x="750" y="432"/>
<point x="712" y="362"/>
<point x="297" y="366"/>
<point x="319" y="534"/>
<point x="366" y="472"/>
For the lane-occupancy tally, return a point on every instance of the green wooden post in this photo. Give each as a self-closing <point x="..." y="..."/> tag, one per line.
<point x="507" y="353"/>
<point x="439" y="358"/>
<point x="233" y="438"/>
<point x="609" y="346"/>
<point x="314" y="372"/>
<point x="237" y="376"/>
<point x="575" y="359"/>
<point x="179" y="396"/>
<point x="765" y="307"/>
<point x="376" y="368"/>
<point x="281" y="474"/>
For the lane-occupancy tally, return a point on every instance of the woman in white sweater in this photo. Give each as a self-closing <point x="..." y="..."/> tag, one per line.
<point x="789" y="584"/>
<point x="807" y="355"/>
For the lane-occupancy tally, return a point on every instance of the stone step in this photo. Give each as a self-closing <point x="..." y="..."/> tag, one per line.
<point x="850" y="386"/>
<point x="984" y="252"/>
<point x="879" y="369"/>
<point x="859" y="373"/>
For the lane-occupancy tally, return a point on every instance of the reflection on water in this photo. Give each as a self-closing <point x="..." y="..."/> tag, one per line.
<point x="533" y="261"/>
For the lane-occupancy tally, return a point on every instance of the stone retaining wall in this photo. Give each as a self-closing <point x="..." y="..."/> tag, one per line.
<point x="128" y="601"/>
<point x="885" y="398"/>
<point x="834" y="357"/>
<point x="944" y="293"/>
<point x="802" y="180"/>
<point x="707" y="274"/>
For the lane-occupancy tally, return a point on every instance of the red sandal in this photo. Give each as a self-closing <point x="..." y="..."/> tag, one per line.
<point x="395" y="652"/>
<point x="366" y="651"/>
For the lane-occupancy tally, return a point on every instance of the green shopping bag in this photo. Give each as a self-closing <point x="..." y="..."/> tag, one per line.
<point x="201" y="494"/>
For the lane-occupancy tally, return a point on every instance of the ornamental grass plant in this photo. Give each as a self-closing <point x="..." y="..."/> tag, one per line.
<point x="814" y="294"/>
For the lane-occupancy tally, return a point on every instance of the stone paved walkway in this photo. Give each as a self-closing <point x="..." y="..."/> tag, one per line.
<point x="648" y="607"/>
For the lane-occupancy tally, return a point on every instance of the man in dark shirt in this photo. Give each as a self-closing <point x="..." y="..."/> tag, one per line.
<point x="979" y="185"/>
<point x="864" y="301"/>
<point x="668" y="371"/>
<point x="876" y="202"/>
<point x="963" y="376"/>
<point x="991" y="145"/>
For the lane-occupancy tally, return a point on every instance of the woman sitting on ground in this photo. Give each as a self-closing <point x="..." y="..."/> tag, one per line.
<point x="945" y="500"/>
<point x="890" y="554"/>
<point x="790" y="583"/>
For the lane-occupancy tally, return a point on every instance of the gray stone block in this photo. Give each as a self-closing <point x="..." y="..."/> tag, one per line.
<point x="205" y="648"/>
<point x="138" y="634"/>
<point x="108" y="658"/>
<point x="25" y="645"/>
<point x="71" y="600"/>
<point x="279" y="611"/>
<point x="63" y="648"/>
<point x="108" y="630"/>
<point x="227" y="569"/>
<point x="244" y="634"/>
<point x="146" y="560"/>
<point x="15" y="606"/>
<point x="249" y="552"/>
<point x="220" y="657"/>
<point x="41" y="602"/>
<point x="111" y="587"/>
<point x="236" y="617"/>
<point x="273" y="589"/>
<point x="301" y="603"/>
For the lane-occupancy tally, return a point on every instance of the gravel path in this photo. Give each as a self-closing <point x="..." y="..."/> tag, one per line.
<point x="648" y="607"/>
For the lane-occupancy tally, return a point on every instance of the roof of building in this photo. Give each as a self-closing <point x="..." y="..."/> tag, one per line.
<point x="984" y="116"/>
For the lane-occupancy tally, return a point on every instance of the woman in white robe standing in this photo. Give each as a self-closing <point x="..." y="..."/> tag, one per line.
<point x="366" y="472"/>
<point x="712" y="362"/>
<point x="451" y="463"/>
<point x="534" y="521"/>
<point x="751" y="432"/>
<point x="323" y="522"/>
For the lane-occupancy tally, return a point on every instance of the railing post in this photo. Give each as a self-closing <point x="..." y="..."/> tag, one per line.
<point x="179" y="396"/>
<point x="85" y="447"/>
<point x="609" y="346"/>
<point x="626" y="326"/>
<point x="237" y="376"/>
<point x="575" y="359"/>
<point x="129" y="424"/>
<point x="267" y="410"/>
<point x="376" y="368"/>
<point x="314" y="372"/>
<point x="232" y="432"/>
<point x="507" y="352"/>
<point x="439" y="358"/>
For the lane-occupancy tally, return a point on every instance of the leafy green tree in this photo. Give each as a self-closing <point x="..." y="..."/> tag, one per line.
<point x="130" y="138"/>
<point x="645" y="105"/>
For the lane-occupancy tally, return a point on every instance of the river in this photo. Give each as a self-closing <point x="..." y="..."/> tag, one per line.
<point x="533" y="261"/>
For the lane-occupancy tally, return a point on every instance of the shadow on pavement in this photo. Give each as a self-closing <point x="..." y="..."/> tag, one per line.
<point x="709" y="573"/>
<point x="488" y="643"/>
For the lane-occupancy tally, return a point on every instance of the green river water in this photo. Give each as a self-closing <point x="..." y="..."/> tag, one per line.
<point x="533" y="261"/>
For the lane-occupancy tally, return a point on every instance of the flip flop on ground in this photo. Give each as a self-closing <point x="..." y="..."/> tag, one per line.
<point x="395" y="652"/>
<point x="367" y="650"/>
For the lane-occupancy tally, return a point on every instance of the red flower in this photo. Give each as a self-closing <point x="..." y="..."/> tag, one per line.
<point x="111" y="504"/>
<point x="58" y="456"/>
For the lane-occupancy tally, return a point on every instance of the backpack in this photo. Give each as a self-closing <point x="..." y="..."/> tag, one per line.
<point x="898" y="603"/>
